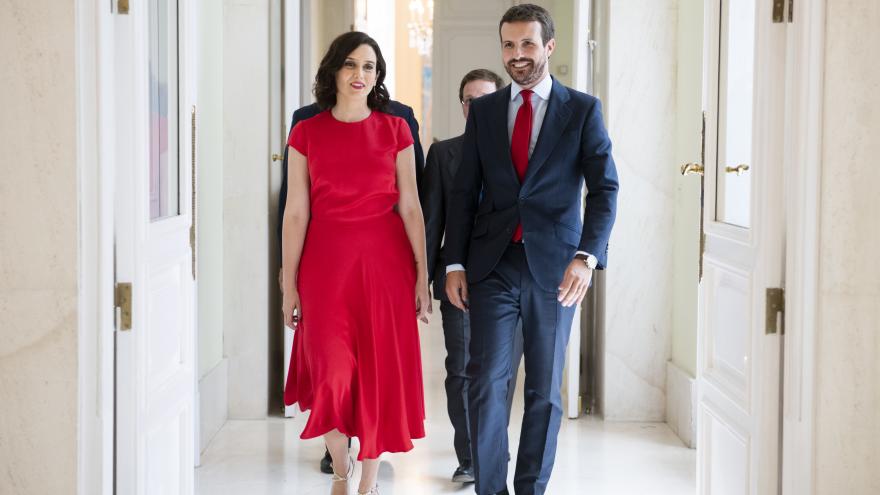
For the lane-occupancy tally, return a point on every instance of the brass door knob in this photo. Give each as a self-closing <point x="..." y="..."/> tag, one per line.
<point x="277" y="157"/>
<point x="738" y="170"/>
<point x="692" y="168"/>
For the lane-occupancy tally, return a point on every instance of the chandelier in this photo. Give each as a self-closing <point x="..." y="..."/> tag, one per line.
<point x="420" y="26"/>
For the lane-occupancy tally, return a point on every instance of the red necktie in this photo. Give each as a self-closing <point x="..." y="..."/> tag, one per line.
<point x="519" y="144"/>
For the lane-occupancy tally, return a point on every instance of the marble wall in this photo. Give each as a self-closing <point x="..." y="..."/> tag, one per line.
<point x="689" y="124"/>
<point x="213" y="368"/>
<point x="640" y="106"/>
<point x="847" y="388"/>
<point x="246" y="198"/>
<point x="209" y="155"/>
<point x="38" y="248"/>
<point x="682" y="367"/>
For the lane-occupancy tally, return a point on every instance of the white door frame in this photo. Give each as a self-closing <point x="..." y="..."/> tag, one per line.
<point x="95" y="190"/>
<point x="746" y="403"/>
<point x="803" y="160"/>
<point x="582" y="20"/>
<point x="295" y="42"/>
<point x="96" y="155"/>
<point x="155" y="255"/>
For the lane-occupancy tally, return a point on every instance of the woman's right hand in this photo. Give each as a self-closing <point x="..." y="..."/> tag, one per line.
<point x="291" y="308"/>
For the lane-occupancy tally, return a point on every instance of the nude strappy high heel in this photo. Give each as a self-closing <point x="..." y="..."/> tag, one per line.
<point x="337" y="477"/>
<point x="373" y="491"/>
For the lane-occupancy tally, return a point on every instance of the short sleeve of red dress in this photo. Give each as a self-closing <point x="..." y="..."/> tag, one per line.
<point x="403" y="134"/>
<point x="297" y="138"/>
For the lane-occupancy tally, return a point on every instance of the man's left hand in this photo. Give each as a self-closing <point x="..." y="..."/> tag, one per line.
<point x="575" y="283"/>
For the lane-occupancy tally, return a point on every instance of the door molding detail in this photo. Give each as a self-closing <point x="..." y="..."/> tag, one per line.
<point x="95" y="151"/>
<point x="802" y="167"/>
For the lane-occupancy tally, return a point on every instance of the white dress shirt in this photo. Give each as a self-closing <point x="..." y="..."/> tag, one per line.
<point x="540" y="96"/>
<point x="539" y="99"/>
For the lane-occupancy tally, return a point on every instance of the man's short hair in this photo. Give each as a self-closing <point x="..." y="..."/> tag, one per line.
<point x="479" y="75"/>
<point x="528" y="12"/>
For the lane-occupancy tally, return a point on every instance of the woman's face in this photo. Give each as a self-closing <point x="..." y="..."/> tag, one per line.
<point x="358" y="74"/>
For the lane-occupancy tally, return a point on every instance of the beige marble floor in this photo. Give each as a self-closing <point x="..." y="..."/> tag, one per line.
<point x="594" y="457"/>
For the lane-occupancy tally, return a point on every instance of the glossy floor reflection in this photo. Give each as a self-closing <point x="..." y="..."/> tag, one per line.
<point x="594" y="457"/>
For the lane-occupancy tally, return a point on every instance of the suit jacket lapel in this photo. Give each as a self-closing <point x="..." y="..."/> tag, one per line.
<point x="453" y="150"/>
<point x="555" y="120"/>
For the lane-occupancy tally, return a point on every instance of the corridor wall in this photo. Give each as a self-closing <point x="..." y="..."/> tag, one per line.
<point x="39" y="248"/>
<point x="638" y="88"/>
<point x="213" y="365"/>
<point x="846" y="429"/>
<point x="246" y="198"/>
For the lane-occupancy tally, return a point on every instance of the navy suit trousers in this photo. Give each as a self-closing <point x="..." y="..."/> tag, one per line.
<point x="457" y="336"/>
<point x="508" y="294"/>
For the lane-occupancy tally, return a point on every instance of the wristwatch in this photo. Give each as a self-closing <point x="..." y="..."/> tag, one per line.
<point x="588" y="259"/>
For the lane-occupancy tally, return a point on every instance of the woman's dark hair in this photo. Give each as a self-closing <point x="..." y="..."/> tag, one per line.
<point x="479" y="75"/>
<point x="325" y="80"/>
<point x="530" y="13"/>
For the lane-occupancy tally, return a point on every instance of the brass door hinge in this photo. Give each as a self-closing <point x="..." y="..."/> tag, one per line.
<point x="775" y="311"/>
<point x="122" y="7"/>
<point x="122" y="300"/>
<point x="783" y="11"/>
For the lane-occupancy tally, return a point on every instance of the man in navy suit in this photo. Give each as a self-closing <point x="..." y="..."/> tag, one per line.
<point x="440" y="168"/>
<point x="394" y="108"/>
<point x="524" y="248"/>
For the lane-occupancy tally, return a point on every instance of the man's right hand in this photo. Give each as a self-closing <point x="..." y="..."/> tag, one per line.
<point x="457" y="289"/>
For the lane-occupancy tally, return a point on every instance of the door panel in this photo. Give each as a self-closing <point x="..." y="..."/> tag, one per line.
<point x="729" y="453"/>
<point x="738" y="391"/>
<point x="465" y="38"/>
<point x="728" y="345"/>
<point x="164" y="474"/>
<point x="165" y="342"/>
<point x="155" y="358"/>
<point x="294" y="38"/>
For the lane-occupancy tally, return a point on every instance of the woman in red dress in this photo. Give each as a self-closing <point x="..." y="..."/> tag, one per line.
<point x="355" y="279"/>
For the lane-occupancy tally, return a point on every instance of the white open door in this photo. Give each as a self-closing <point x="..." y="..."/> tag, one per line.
<point x="155" y="352"/>
<point x="292" y="40"/>
<point x="738" y="364"/>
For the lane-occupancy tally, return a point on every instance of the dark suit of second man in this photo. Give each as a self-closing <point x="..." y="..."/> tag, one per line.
<point x="442" y="164"/>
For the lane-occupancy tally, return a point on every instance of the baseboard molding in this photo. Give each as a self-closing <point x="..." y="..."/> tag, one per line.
<point x="680" y="403"/>
<point x="213" y="402"/>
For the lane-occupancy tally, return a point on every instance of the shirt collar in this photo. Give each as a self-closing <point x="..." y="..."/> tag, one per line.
<point x="542" y="89"/>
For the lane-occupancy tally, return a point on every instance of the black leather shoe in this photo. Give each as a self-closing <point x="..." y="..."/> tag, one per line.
<point x="327" y="463"/>
<point x="463" y="475"/>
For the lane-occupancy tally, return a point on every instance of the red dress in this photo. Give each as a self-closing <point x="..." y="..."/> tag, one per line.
<point x="356" y="361"/>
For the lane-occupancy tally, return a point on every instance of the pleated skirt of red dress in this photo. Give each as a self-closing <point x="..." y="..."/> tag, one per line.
<point x="356" y="359"/>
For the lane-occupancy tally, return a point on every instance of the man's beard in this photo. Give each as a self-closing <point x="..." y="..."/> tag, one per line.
<point x="531" y="74"/>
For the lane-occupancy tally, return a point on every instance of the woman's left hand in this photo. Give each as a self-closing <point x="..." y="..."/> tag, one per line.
<point x="423" y="301"/>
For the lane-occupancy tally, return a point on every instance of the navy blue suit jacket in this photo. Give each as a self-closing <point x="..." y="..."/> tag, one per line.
<point x="573" y="148"/>
<point x="394" y="108"/>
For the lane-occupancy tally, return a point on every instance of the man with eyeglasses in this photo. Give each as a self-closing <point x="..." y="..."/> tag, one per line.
<point x="441" y="165"/>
